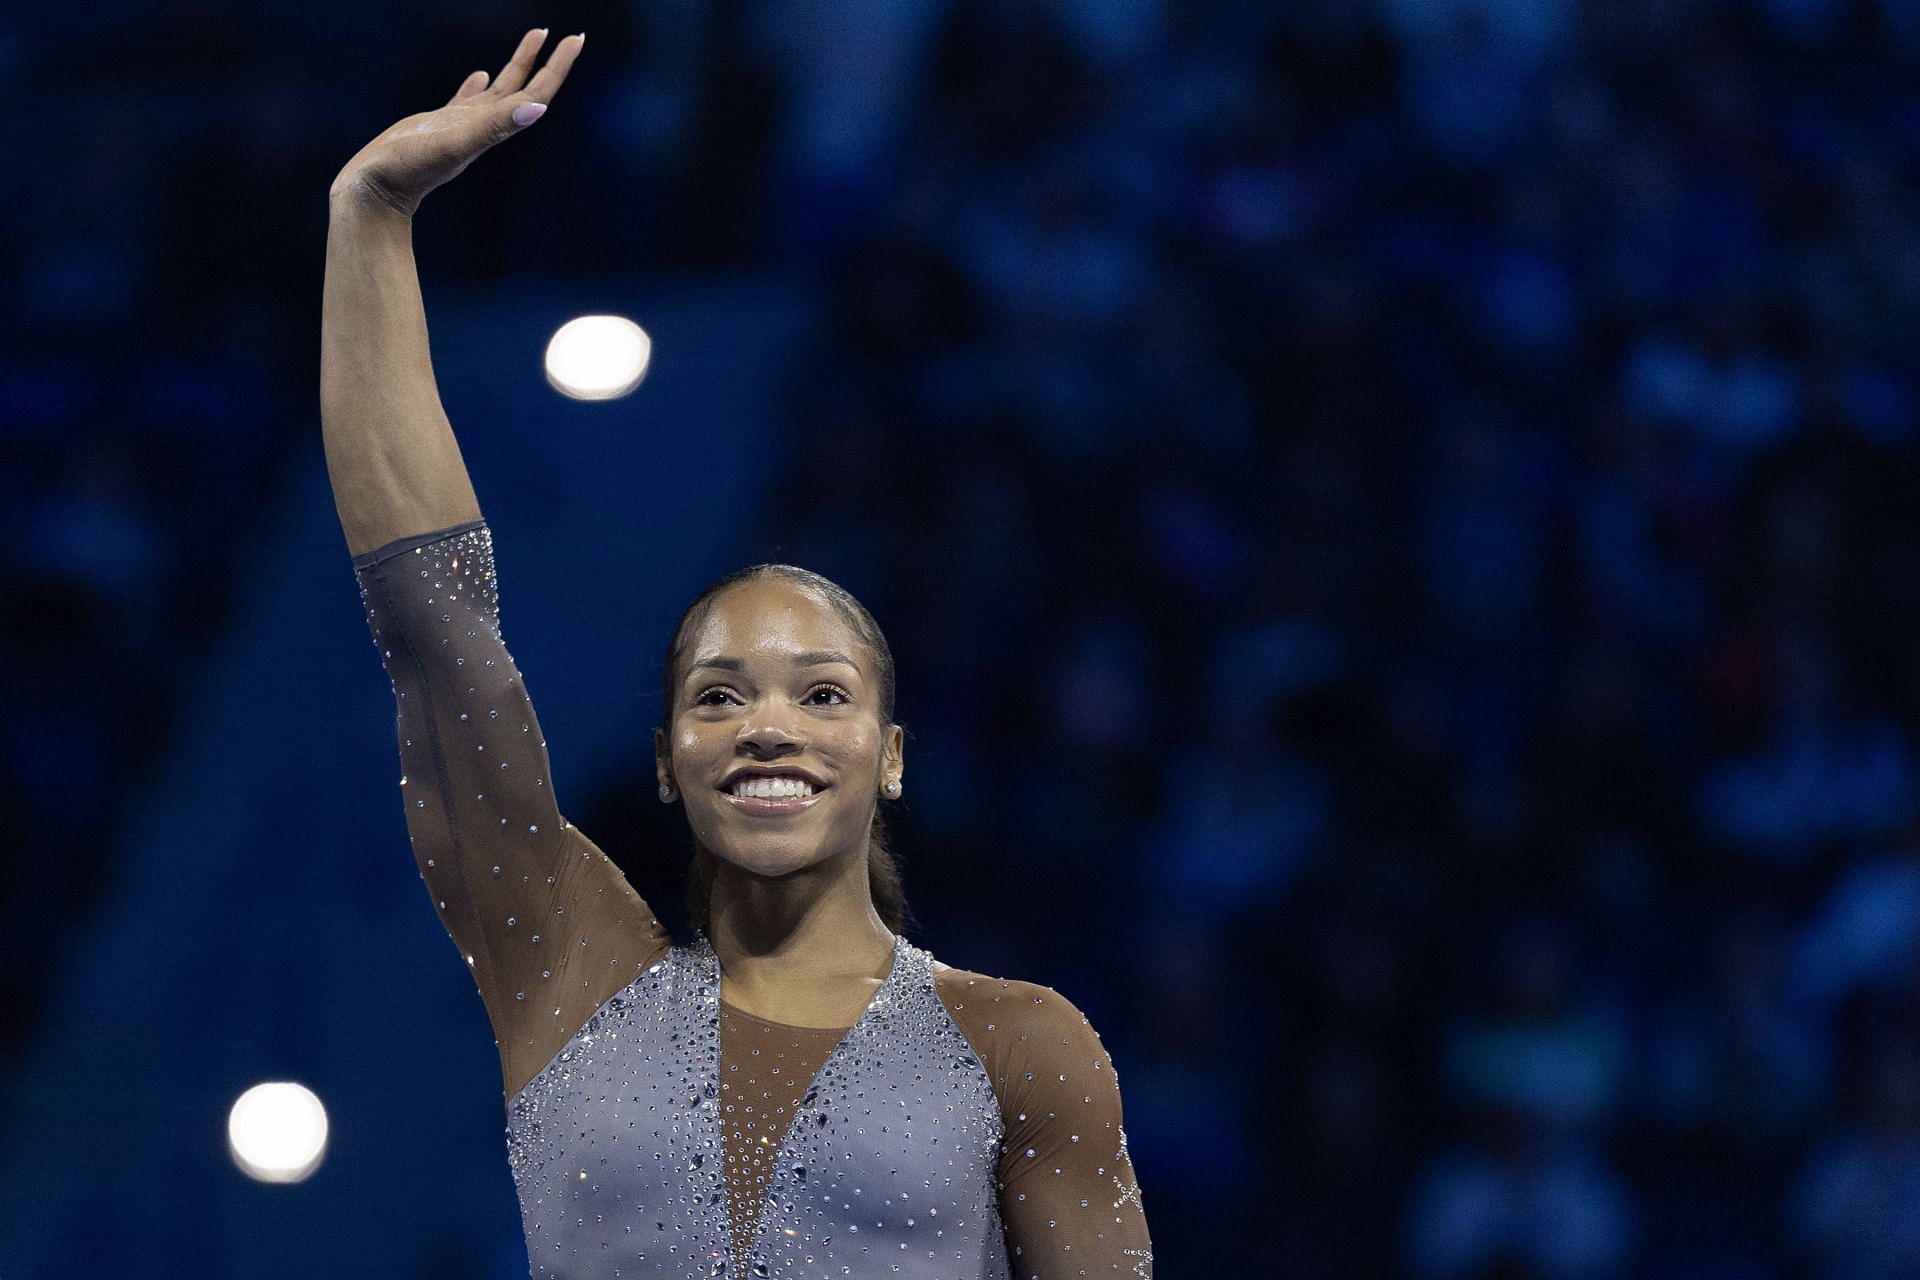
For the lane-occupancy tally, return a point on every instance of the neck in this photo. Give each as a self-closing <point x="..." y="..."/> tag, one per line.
<point x="809" y="929"/>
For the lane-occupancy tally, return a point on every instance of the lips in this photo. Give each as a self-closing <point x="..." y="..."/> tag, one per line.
<point x="771" y="806"/>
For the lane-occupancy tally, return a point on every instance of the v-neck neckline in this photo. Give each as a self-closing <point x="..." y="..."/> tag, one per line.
<point x="885" y="995"/>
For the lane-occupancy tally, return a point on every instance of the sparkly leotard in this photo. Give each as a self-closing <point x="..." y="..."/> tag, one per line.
<point x="964" y="1126"/>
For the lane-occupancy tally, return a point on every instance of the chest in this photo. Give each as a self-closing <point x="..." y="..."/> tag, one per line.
<point x="887" y="1150"/>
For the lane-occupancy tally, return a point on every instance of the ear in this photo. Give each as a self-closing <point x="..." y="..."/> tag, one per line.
<point x="893" y="761"/>
<point x="663" y="759"/>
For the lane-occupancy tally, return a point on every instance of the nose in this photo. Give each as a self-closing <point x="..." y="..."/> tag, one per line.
<point x="769" y="733"/>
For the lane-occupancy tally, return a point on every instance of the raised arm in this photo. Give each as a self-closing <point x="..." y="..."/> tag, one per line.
<point x="546" y="922"/>
<point x="548" y="926"/>
<point x="391" y="455"/>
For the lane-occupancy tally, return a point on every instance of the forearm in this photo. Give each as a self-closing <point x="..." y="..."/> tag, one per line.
<point x="391" y="455"/>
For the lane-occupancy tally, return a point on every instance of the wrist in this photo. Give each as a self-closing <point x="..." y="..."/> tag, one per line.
<point x="356" y="198"/>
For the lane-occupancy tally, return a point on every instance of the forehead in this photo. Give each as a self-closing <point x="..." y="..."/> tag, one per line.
<point x="771" y="619"/>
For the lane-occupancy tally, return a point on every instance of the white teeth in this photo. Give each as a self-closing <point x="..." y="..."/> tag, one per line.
<point x="772" y="788"/>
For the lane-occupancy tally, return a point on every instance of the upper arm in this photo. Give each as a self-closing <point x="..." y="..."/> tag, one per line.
<point x="1068" y="1196"/>
<point x="516" y="886"/>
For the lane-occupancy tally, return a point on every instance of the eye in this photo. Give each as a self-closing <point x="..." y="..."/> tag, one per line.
<point x="700" y="699"/>
<point x="834" y="689"/>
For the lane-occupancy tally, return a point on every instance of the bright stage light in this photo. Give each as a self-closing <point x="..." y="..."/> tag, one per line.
<point x="598" y="357"/>
<point x="277" y="1132"/>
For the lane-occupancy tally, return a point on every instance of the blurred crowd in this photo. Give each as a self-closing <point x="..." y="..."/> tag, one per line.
<point x="1397" y="519"/>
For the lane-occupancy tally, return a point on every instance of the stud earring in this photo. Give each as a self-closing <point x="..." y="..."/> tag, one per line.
<point x="666" y="792"/>
<point x="893" y="787"/>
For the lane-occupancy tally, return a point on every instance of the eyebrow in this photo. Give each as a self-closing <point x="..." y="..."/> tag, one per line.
<point x="809" y="658"/>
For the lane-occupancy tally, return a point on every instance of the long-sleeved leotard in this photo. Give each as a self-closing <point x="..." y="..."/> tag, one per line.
<point x="552" y="931"/>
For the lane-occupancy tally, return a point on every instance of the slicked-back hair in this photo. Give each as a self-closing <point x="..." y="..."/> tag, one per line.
<point x="883" y="869"/>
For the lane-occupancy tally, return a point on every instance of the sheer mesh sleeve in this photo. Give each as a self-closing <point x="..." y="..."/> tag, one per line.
<point x="547" y="923"/>
<point x="1068" y="1196"/>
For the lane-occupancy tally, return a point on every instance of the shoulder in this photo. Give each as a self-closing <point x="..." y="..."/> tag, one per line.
<point x="1029" y="1004"/>
<point x="1015" y="1026"/>
<point x="1057" y="1088"/>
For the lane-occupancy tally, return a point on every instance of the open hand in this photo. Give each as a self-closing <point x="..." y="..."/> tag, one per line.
<point x="422" y="151"/>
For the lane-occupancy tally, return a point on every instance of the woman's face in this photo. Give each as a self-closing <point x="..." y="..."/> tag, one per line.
<point x="773" y="681"/>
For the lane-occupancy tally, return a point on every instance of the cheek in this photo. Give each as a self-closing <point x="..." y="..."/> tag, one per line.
<point x="690" y="749"/>
<point x="857" y="743"/>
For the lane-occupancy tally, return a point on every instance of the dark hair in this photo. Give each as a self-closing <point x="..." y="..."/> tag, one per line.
<point x="883" y="869"/>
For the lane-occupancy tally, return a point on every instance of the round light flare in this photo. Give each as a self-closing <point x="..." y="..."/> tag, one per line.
<point x="277" y="1132"/>
<point x="598" y="357"/>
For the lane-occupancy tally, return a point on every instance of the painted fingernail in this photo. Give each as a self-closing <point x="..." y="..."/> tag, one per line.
<point x="527" y="112"/>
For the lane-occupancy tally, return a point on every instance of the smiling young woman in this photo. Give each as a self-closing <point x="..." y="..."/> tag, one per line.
<point x="797" y="1090"/>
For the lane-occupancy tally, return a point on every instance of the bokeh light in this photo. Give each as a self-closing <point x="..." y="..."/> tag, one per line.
<point x="277" y="1132"/>
<point x="599" y="357"/>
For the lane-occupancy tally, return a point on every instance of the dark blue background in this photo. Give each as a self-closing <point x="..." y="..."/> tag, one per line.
<point x="1397" y="520"/>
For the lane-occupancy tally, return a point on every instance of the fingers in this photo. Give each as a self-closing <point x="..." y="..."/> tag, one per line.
<point x="520" y="65"/>
<point x="474" y="83"/>
<point x="554" y="74"/>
